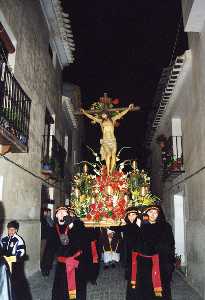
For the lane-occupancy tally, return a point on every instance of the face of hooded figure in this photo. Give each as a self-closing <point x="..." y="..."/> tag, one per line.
<point x="132" y="217"/>
<point x="61" y="216"/>
<point x="153" y="215"/>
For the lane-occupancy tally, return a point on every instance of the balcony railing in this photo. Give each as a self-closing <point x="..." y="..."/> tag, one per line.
<point x="15" y="108"/>
<point x="172" y="157"/>
<point x="54" y="156"/>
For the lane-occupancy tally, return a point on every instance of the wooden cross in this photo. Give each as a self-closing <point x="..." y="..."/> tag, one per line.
<point x="107" y="100"/>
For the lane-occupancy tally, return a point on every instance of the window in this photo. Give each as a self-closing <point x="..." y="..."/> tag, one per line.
<point x="47" y="138"/>
<point x="177" y="138"/>
<point x="66" y="145"/>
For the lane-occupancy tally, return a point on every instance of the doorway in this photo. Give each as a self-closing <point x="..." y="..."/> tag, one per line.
<point x="179" y="231"/>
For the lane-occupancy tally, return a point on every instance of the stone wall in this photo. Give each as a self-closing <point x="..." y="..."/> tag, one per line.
<point x="189" y="105"/>
<point x="42" y="82"/>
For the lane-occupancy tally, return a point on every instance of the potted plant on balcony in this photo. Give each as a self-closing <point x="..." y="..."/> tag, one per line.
<point x="175" y="164"/>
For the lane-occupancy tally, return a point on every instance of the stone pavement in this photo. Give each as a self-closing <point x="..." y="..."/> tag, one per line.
<point x="111" y="286"/>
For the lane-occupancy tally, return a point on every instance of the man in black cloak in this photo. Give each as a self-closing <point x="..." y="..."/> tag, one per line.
<point x="70" y="245"/>
<point x="130" y="231"/>
<point x="153" y="259"/>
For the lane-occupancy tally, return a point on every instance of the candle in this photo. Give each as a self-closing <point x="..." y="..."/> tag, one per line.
<point x="126" y="198"/>
<point x="143" y="191"/>
<point x="134" y="164"/>
<point x="77" y="192"/>
<point x="109" y="190"/>
<point x="85" y="168"/>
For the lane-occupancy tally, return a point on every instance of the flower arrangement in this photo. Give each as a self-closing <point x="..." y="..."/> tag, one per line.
<point x="97" y="197"/>
<point x="104" y="104"/>
<point x="103" y="199"/>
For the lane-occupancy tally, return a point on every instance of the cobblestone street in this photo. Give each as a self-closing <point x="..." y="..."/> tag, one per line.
<point x="111" y="286"/>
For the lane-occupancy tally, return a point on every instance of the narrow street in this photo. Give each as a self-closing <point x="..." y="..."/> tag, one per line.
<point x="111" y="286"/>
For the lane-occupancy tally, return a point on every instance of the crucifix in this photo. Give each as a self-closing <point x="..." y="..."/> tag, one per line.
<point x="107" y="123"/>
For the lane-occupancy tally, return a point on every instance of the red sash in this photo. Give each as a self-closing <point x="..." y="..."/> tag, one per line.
<point x="71" y="264"/>
<point x="94" y="252"/>
<point x="156" y="278"/>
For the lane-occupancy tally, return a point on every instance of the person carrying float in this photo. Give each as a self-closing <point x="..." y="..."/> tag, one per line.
<point x="70" y="245"/>
<point x="152" y="259"/>
<point x="130" y="232"/>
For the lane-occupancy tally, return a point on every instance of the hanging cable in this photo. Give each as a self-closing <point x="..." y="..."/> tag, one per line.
<point x="30" y="172"/>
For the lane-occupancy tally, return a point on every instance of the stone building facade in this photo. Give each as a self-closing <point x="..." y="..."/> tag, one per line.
<point x="178" y="156"/>
<point x="40" y="33"/>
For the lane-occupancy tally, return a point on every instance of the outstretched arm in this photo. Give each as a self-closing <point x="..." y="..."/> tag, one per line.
<point x="90" y="116"/>
<point x="121" y="114"/>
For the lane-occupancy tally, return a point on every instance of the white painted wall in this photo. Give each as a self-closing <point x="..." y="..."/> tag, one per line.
<point x="179" y="228"/>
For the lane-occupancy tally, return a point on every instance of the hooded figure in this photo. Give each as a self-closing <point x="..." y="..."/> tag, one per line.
<point x="152" y="259"/>
<point x="70" y="245"/>
<point x="130" y="232"/>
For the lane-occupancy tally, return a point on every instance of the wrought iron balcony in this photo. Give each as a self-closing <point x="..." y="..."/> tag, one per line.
<point x="172" y="157"/>
<point x="54" y="156"/>
<point x="15" y="108"/>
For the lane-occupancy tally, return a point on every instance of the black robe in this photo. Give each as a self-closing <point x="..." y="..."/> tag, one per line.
<point x="78" y="241"/>
<point x="93" y="237"/>
<point x="154" y="239"/>
<point x="130" y="239"/>
<point x="6" y="292"/>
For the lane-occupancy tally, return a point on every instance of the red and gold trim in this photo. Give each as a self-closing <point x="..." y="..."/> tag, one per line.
<point x="156" y="278"/>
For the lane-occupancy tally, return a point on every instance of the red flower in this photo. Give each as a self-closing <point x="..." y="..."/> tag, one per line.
<point x="121" y="203"/>
<point x="113" y="216"/>
<point x="92" y="206"/>
<point x="115" y="101"/>
<point x="97" y="216"/>
<point x="100" y="205"/>
<point x="105" y="214"/>
<point x="89" y="217"/>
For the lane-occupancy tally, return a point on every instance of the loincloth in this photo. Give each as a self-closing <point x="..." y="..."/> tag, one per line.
<point x="108" y="146"/>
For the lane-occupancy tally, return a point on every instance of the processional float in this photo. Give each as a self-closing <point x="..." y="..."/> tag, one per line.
<point x="105" y="188"/>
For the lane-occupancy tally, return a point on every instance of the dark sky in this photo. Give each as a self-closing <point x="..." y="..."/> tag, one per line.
<point x="121" y="48"/>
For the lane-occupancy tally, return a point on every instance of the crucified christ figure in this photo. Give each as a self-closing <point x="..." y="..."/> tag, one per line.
<point x="108" y="142"/>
